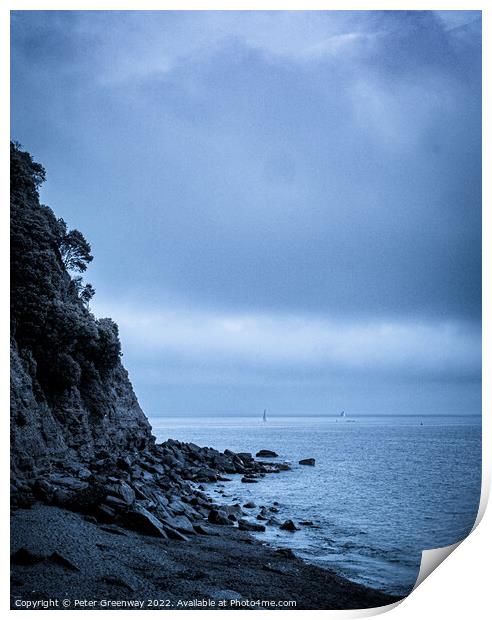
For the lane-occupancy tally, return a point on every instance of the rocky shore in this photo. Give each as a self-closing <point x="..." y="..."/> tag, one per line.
<point x="140" y="529"/>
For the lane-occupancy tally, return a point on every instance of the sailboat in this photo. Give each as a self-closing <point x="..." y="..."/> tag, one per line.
<point x="342" y="415"/>
<point x="264" y="415"/>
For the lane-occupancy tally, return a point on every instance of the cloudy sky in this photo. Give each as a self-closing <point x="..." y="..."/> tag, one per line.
<point x="284" y="207"/>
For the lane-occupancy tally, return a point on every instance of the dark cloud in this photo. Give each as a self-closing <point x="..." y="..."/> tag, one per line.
<point x="308" y="164"/>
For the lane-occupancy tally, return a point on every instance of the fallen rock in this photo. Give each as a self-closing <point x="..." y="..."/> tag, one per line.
<point x="245" y="456"/>
<point x="60" y="559"/>
<point x="180" y="523"/>
<point x="219" y="517"/>
<point x="247" y="526"/>
<point x="307" y="462"/>
<point x="289" y="525"/>
<point x="286" y="552"/>
<point x="281" y="569"/>
<point x="267" y="454"/>
<point x="141" y="520"/>
<point x="204" y="530"/>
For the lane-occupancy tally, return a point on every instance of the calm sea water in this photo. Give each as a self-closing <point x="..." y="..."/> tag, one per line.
<point x="383" y="488"/>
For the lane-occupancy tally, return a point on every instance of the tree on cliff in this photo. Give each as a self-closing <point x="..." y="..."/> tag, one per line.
<point x="74" y="248"/>
<point x="63" y="343"/>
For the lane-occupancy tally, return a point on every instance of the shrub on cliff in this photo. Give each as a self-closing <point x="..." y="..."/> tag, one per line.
<point x="65" y="346"/>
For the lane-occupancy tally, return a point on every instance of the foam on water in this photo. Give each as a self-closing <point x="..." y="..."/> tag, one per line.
<point x="383" y="488"/>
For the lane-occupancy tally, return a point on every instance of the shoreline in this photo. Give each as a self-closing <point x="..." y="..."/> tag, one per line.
<point x="141" y="522"/>
<point x="67" y="557"/>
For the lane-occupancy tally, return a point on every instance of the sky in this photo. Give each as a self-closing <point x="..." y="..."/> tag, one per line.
<point x="284" y="207"/>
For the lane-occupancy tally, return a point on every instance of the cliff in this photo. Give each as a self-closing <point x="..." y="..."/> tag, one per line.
<point x="71" y="398"/>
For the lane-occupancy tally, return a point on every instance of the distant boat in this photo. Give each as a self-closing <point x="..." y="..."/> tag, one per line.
<point x="342" y="415"/>
<point x="264" y="415"/>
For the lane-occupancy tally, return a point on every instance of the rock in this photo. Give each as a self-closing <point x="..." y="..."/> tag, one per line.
<point x="141" y="520"/>
<point x="274" y="521"/>
<point x="204" y="530"/>
<point x="68" y="481"/>
<point x="273" y="509"/>
<point x="43" y="490"/>
<point x="262" y="515"/>
<point x="286" y="552"/>
<point x="218" y="517"/>
<point x="105" y="513"/>
<point x="116" y="503"/>
<point x="281" y="569"/>
<point x="173" y="533"/>
<point x="90" y="519"/>
<point x="289" y="525"/>
<point x="60" y="559"/>
<point x="180" y="523"/>
<point x="245" y="456"/>
<point x="84" y="473"/>
<point x="126" y="493"/>
<point x="307" y="462"/>
<point x="266" y="454"/>
<point x="250" y="505"/>
<point x="306" y="523"/>
<point x="247" y="526"/>
<point x="124" y="463"/>
<point x="248" y="480"/>
<point x="283" y="466"/>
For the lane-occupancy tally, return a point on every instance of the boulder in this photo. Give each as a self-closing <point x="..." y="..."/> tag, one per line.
<point x="126" y="493"/>
<point x="141" y="520"/>
<point x="219" y="517"/>
<point x="267" y="454"/>
<point x="245" y="456"/>
<point x="286" y="552"/>
<point x="289" y="525"/>
<point x="247" y="526"/>
<point x="204" y="530"/>
<point x="310" y="461"/>
<point x="248" y="480"/>
<point x="250" y="505"/>
<point x="58" y="558"/>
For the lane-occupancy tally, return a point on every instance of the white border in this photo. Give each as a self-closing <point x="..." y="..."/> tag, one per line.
<point x="460" y="587"/>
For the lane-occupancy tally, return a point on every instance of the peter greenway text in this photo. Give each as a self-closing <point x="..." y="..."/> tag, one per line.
<point x="203" y="603"/>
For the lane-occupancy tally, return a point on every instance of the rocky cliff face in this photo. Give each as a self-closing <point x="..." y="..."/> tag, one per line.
<point x="71" y="398"/>
<point x="43" y="432"/>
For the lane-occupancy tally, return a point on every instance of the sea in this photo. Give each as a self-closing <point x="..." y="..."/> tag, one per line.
<point x="383" y="488"/>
